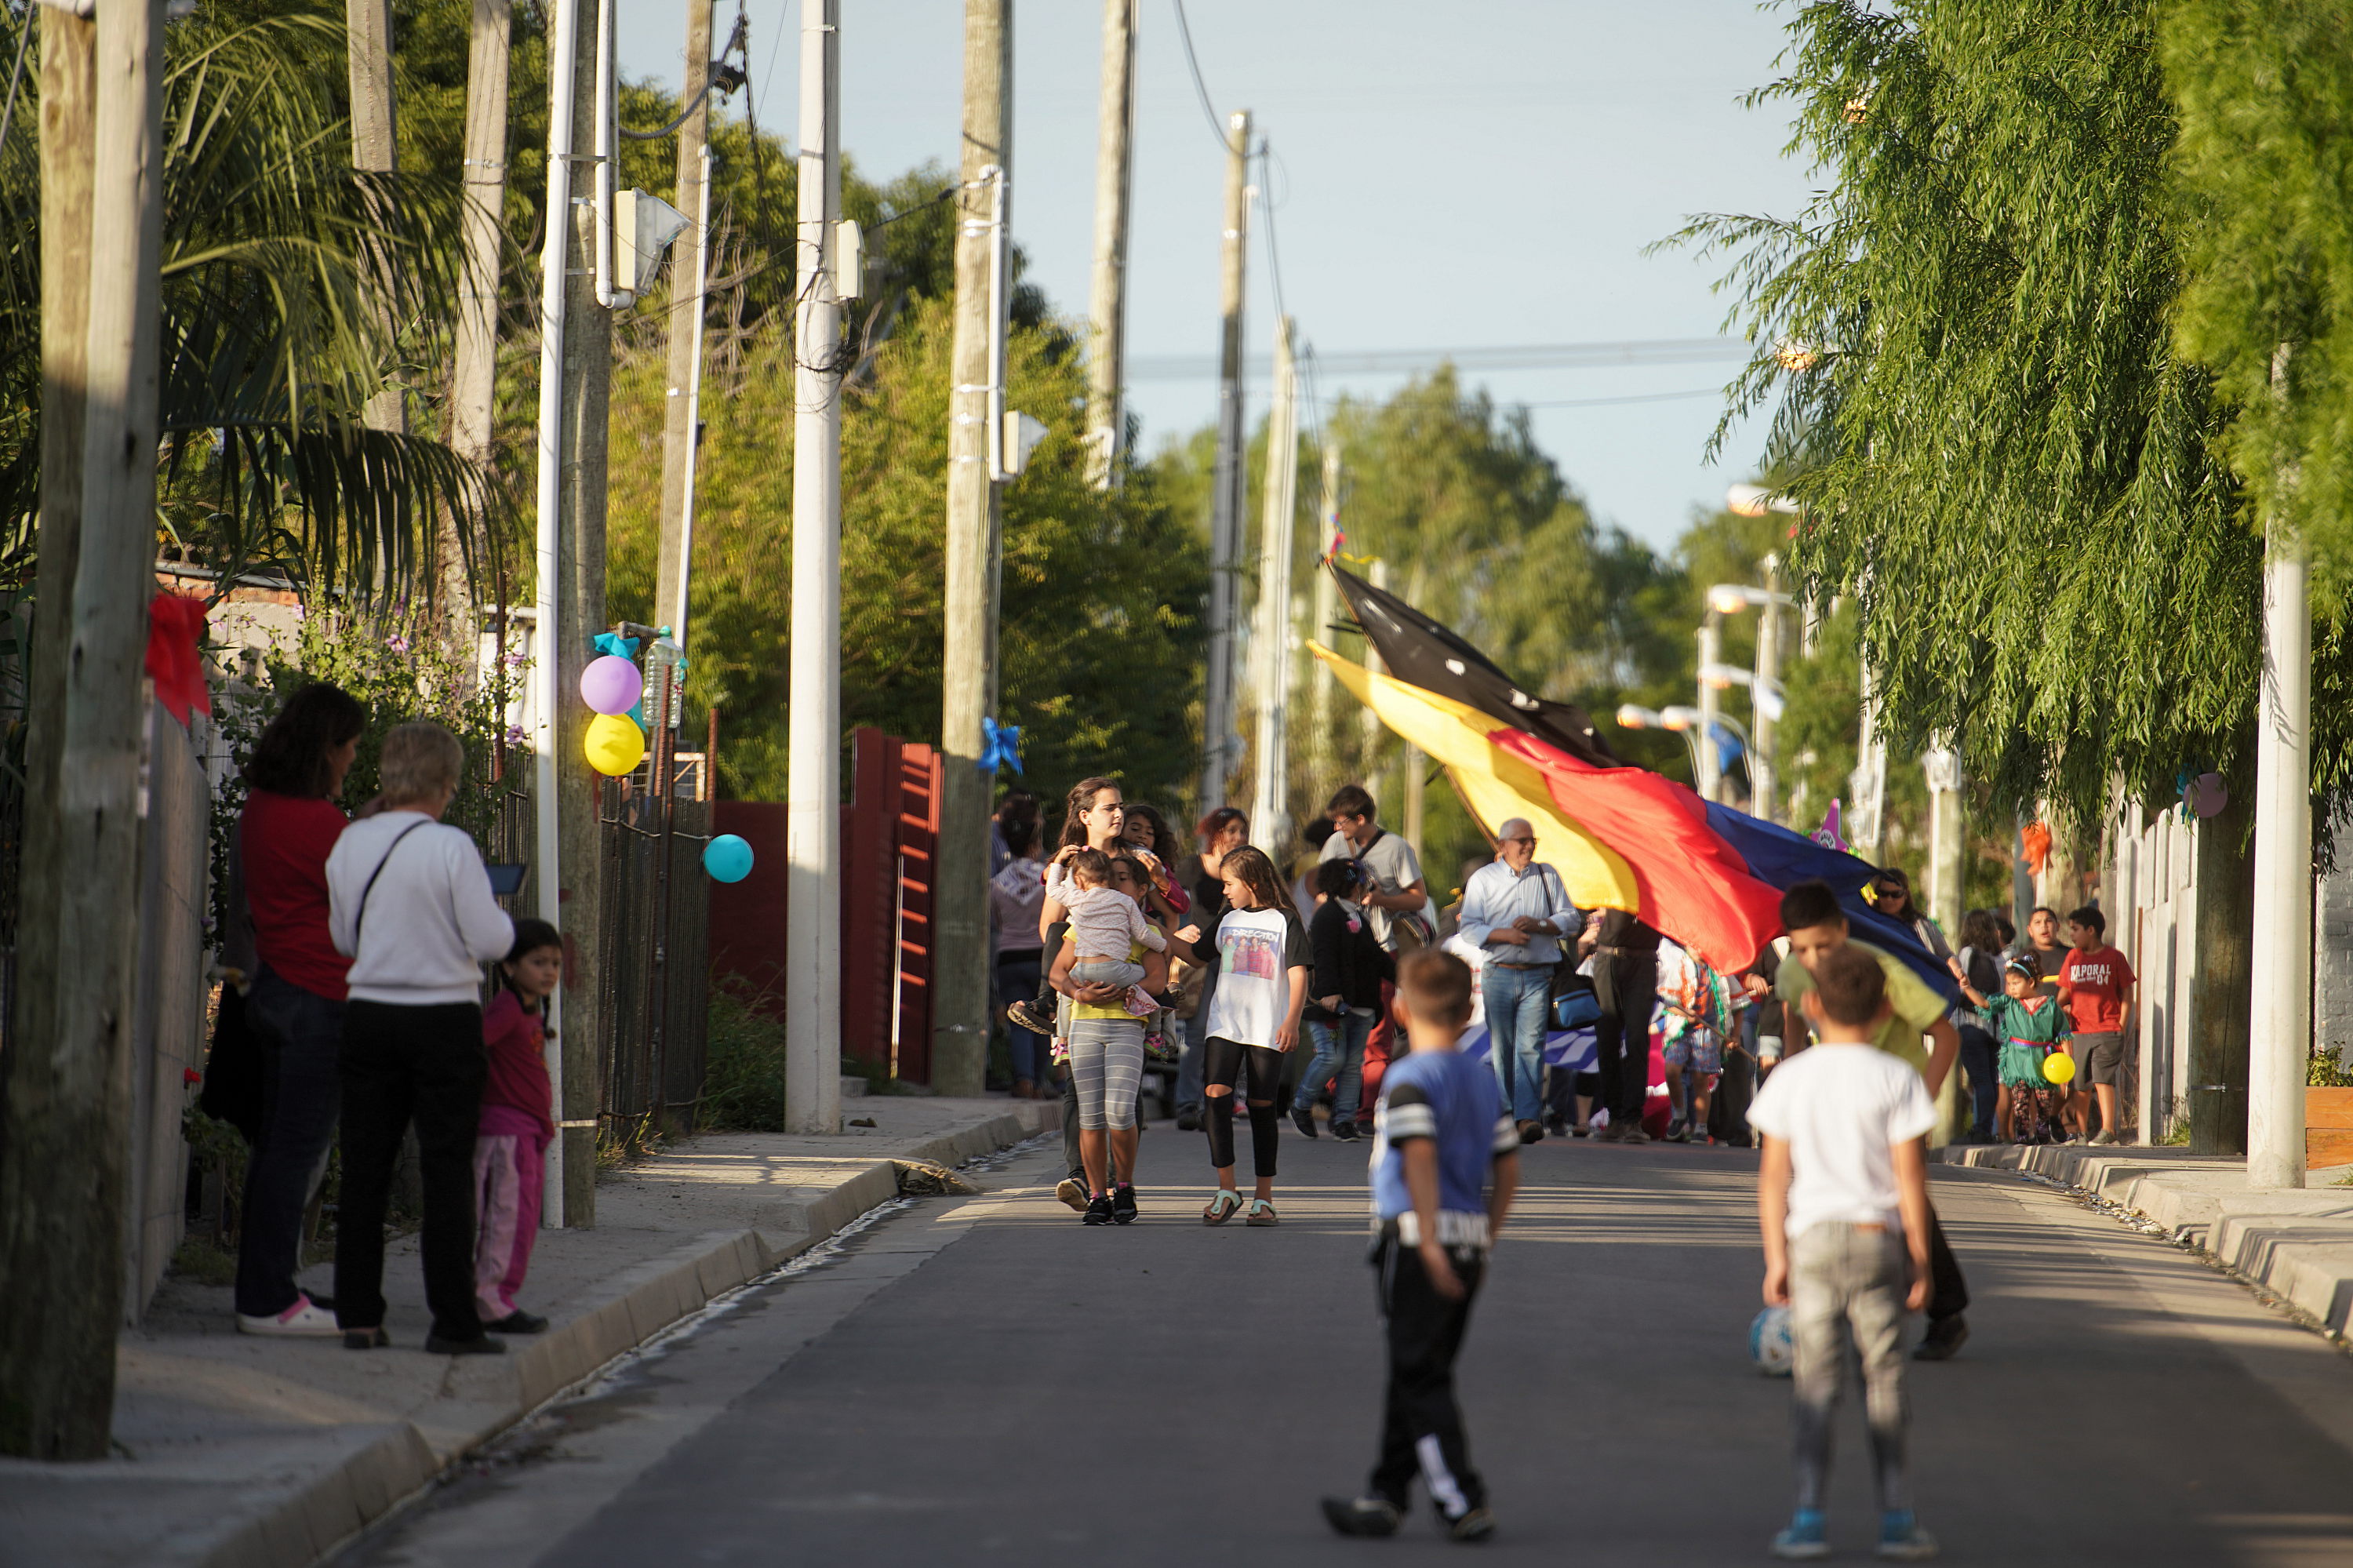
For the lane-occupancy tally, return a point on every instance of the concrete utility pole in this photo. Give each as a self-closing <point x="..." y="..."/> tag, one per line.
<point x="1765" y="698"/>
<point x="474" y="378"/>
<point x="65" y="1078"/>
<point x="813" y="781"/>
<point x="1226" y="497"/>
<point x="375" y="147"/>
<point x="679" y="409"/>
<point x="1368" y="731"/>
<point x="1327" y="608"/>
<point x="1869" y="780"/>
<point x="1270" y="810"/>
<point x="576" y="371"/>
<point x="960" y="902"/>
<point x="1711" y="654"/>
<point x="1947" y="842"/>
<point x="1115" y="155"/>
<point x="2280" y="961"/>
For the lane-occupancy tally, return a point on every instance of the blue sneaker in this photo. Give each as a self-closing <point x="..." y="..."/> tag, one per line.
<point x="1807" y="1539"/>
<point x="1901" y="1539"/>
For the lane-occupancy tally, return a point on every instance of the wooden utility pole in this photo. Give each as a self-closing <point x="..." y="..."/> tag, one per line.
<point x="376" y="149"/>
<point x="813" y="781"/>
<point x="1327" y="608"/>
<point x="1114" y="153"/>
<point x="65" y="1099"/>
<point x="678" y="414"/>
<point x="960" y="965"/>
<point x="473" y="389"/>
<point x="1270" y="808"/>
<point x="1226" y="482"/>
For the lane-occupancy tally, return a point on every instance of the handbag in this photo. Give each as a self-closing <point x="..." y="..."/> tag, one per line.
<point x="1577" y="1008"/>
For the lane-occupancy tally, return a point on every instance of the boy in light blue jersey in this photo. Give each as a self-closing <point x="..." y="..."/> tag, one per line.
<point x="1445" y="1166"/>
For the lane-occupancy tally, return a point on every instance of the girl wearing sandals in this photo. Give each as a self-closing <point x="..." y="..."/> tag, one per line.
<point x="1262" y="957"/>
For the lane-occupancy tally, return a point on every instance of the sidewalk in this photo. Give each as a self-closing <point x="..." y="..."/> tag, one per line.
<point x="2296" y="1244"/>
<point x="233" y="1452"/>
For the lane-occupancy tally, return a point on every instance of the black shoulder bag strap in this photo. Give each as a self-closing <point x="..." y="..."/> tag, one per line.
<point x="359" y="916"/>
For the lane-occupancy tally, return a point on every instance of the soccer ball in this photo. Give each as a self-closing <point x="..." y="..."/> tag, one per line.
<point x="1769" y="1342"/>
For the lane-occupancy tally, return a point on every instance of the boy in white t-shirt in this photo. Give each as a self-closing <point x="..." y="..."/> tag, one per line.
<point x="1843" y="1199"/>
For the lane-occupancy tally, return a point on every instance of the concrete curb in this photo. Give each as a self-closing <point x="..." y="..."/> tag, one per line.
<point x="307" y="1518"/>
<point x="2297" y="1244"/>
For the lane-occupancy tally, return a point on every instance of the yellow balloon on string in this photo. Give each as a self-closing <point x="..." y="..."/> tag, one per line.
<point x="615" y="744"/>
<point x="2058" y="1067"/>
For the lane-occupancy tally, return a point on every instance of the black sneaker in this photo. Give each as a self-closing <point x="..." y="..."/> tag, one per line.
<point x="516" y="1322"/>
<point x="481" y="1345"/>
<point x="1362" y="1516"/>
<point x="1122" y="1203"/>
<point x="1944" y="1339"/>
<point x="1188" y="1119"/>
<point x="1303" y="1116"/>
<point x="1099" y="1211"/>
<point x="1678" y="1131"/>
<point x="1478" y="1524"/>
<point x="1345" y="1131"/>
<point x="1029" y="1015"/>
<point x="1072" y="1191"/>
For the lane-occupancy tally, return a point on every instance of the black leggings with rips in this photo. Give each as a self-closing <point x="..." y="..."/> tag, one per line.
<point x="1228" y="1060"/>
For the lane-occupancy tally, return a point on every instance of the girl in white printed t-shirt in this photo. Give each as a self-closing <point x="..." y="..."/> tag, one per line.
<point x="1262" y="956"/>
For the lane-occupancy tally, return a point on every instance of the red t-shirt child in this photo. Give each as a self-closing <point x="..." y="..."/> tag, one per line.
<point x="286" y="840"/>
<point x="2095" y="978"/>
<point x="517" y="1096"/>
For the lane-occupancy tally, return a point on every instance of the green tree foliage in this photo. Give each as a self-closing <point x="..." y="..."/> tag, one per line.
<point x="2265" y="160"/>
<point x="1101" y="642"/>
<point x="2007" y="465"/>
<point x="273" y="250"/>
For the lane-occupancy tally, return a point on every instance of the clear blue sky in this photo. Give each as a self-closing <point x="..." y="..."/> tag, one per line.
<point x="1484" y="173"/>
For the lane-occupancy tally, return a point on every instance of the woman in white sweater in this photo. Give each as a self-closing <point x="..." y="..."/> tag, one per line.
<point x="409" y="901"/>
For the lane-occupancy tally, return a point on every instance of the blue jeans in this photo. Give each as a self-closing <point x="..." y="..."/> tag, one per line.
<point x="1339" y="1056"/>
<point x="1518" y="1003"/>
<point x="301" y="1035"/>
<point x="1016" y="981"/>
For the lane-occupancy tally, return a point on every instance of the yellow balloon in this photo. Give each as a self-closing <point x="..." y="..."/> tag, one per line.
<point x="615" y="744"/>
<point x="2058" y="1067"/>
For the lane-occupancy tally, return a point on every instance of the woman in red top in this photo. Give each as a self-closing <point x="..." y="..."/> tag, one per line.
<point x="511" y="1149"/>
<point x="296" y="1003"/>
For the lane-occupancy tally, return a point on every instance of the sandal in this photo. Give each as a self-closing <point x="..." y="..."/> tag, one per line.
<point x="1261" y="1213"/>
<point x="1223" y="1207"/>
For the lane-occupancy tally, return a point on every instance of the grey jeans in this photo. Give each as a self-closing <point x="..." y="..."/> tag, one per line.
<point x="1847" y="1286"/>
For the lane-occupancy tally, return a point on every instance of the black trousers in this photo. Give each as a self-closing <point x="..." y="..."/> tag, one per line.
<point x="1627" y="986"/>
<point x="1260" y="1069"/>
<point x="1422" y="1426"/>
<point x="1949" y="1293"/>
<point x="399" y="1065"/>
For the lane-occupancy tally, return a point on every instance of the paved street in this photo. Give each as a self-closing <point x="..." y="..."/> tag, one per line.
<point x="984" y="1380"/>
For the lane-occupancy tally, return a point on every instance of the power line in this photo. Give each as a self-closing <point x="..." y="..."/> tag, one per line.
<point x="1602" y="402"/>
<point x="1521" y="357"/>
<point x="1200" y="88"/>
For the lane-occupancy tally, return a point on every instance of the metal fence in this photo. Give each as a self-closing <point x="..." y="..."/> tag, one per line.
<point x="654" y="981"/>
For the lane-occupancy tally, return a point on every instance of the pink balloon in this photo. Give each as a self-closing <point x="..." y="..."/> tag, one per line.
<point x="611" y="685"/>
<point x="2207" y="795"/>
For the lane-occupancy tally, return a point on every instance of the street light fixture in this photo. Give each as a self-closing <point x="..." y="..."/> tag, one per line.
<point x="1683" y="721"/>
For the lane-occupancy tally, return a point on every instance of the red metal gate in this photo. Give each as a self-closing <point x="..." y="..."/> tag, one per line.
<point x="890" y="836"/>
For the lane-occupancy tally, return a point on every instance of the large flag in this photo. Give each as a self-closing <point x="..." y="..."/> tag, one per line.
<point x="1784" y="858"/>
<point x="1429" y="654"/>
<point x="1621" y="838"/>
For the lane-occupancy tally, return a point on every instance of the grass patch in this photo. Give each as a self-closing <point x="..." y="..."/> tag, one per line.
<point x="743" y="1064"/>
<point x="203" y="1260"/>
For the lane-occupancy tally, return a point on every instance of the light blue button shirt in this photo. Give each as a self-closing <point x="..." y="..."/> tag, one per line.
<point x="1496" y="895"/>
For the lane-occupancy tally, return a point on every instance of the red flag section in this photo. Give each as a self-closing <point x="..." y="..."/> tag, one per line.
<point x="1694" y="886"/>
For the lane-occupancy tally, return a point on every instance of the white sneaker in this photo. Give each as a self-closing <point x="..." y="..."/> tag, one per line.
<point x="306" y="1319"/>
<point x="2104" y="1135"/>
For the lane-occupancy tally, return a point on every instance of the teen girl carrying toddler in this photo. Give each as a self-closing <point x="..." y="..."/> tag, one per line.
<point x="510" y="1147"/>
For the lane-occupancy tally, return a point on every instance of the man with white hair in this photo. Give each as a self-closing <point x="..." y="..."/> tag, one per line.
<point x="1517" y="911"/>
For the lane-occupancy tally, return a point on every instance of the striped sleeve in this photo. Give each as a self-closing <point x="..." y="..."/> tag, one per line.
<point x="1507" y="1136"/>
<point x="1411" y="1114"/>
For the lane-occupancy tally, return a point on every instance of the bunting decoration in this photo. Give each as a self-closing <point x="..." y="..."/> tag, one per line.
<point x="175" y="660"/>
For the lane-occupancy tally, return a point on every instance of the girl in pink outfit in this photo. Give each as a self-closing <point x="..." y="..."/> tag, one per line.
<point x="510" y="1146"/>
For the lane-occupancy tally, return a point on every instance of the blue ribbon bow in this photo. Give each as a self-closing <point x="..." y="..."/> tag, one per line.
<point x="614" y="642"/>
<point x="997" y="744"/>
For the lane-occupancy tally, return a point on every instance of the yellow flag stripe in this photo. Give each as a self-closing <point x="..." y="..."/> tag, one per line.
<point x="1494" y="784"/>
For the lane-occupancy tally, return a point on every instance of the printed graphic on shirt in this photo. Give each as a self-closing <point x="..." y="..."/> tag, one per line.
<point x="1255" y="954"/>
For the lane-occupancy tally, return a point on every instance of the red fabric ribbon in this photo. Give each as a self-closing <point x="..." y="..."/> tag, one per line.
<point x="175" y="629"/>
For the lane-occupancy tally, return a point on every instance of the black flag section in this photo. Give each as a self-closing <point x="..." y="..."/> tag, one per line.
<point x="1422" y="652"/>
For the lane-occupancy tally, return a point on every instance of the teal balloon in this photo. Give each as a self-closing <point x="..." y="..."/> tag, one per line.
<point x="727" y="858"/>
